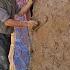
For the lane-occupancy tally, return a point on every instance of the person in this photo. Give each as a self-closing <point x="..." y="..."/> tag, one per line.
<point x="7" y="12"/>
<point x="22" y="40"/>
<point x="5" y="40"/>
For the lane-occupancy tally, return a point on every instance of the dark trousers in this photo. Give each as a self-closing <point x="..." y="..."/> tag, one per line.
<point x="5" y="41"/>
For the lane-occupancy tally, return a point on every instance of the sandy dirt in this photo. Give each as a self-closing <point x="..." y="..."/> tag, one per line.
<point x="51" y="43"/>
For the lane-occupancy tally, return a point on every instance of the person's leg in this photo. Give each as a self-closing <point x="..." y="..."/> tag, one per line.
<point x="4" y="50"/>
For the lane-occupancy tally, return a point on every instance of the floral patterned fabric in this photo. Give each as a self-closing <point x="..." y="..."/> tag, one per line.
<point x="22" y="43"/>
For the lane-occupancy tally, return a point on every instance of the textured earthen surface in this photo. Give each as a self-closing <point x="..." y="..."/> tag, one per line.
<point x="51" y="43"/>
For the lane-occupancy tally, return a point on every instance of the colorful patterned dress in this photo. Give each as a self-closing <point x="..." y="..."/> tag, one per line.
<point x="22" y="42"/>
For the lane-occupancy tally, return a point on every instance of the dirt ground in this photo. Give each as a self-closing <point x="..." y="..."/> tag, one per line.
<point x="51" y="43"/>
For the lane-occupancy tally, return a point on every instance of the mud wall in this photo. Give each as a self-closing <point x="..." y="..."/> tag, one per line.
<point x="51" y="43"/>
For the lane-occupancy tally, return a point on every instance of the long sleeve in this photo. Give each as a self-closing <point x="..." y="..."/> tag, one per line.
<point x="3" y="15"/>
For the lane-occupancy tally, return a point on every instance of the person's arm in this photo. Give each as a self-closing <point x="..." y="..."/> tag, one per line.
<point x="25" y="8"/>
<point x="15" y="23"/>
<point x="21" y="24"/>
<point x="3" y="15"/>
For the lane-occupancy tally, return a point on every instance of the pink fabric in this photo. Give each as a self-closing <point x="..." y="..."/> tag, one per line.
<point x="21" y="2"/>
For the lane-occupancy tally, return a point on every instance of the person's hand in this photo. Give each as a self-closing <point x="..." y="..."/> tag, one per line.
<point x="8" y="22"/>
<point x="32" y="24"/>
